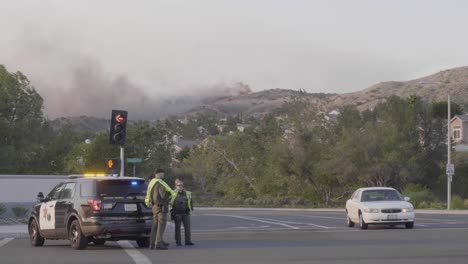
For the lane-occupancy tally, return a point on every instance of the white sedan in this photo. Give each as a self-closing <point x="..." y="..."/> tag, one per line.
<point x="379" y="205"/>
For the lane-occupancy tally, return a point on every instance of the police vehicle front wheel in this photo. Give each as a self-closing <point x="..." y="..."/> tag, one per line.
<point x="142" y="242"/>
<point x="36" y="239"/>
<point x="77" y="239"/>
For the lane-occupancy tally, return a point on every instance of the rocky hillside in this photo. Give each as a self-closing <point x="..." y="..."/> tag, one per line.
<point x="234" y="101"/>
<point x="431" y="88"/>
<point x="254" y="103"/>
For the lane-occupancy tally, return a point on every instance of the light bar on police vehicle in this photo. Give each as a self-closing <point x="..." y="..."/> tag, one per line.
<point x="88" y="175"/>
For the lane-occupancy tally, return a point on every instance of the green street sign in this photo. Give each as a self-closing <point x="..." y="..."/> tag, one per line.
<point x="134" y="160"/>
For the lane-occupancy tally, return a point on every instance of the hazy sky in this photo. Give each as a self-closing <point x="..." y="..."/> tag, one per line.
<point x="148" y="49"/>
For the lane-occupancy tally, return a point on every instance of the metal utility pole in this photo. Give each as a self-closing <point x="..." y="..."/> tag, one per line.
<point x="450" y="169"/>
<point x="122" y="161"/>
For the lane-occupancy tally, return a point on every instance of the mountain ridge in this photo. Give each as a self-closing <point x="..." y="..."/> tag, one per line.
<point x="434" y="87"/>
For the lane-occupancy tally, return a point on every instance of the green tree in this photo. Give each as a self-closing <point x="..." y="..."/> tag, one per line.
<point x="22" y="131"/>
<point x="439" y="109"/>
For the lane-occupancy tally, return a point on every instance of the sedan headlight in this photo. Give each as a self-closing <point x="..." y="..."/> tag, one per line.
<point x="407" y="210"/>
<point x="371" y="210"/>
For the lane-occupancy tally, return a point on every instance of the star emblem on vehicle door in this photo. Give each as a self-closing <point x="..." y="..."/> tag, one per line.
<point x="44" y="212"/>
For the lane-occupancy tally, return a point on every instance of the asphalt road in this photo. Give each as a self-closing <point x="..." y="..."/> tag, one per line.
<point x="270" y="236"/>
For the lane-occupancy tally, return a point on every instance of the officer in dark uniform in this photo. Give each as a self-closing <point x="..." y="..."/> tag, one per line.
<point x="182" y="207"/>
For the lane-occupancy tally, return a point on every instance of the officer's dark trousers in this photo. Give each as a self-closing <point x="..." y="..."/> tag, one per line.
<point x="185" y="219"/>
<point x="158" y="227"/>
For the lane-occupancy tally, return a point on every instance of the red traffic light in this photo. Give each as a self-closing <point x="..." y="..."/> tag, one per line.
<point x="119" y="118"/>
<point x="118" y="127"/>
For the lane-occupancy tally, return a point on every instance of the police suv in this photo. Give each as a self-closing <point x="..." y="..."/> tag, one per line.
<point x="92" y="208"/>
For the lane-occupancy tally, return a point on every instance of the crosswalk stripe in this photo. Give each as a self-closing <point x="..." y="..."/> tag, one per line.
<point x="5" y="241"/>
<point x="135" y="254"/>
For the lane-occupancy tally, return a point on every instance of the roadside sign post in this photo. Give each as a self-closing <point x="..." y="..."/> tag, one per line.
<point x="450" y="167"/>
<point x="134" y="161"/>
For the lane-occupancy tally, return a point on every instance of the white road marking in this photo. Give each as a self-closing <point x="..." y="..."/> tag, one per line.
<point x="324" y="217"/>
<point x="290" y="222"/>
<point x="258" y="220"/>
<point x="136" y="255"/>
<point x="248" y="227"/>
<point x="5" y="241"/>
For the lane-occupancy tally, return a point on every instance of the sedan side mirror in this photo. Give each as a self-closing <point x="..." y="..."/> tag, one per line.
<point x="40" y="197"/>
<point x="407" y="199"/>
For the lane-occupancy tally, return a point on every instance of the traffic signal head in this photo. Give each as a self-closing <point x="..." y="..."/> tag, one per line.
<point x="112" y="163"/>
<point x="118" y="127"/>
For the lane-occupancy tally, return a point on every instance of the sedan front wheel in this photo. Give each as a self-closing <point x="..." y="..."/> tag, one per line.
<point x="409" y="225"/>
<point x="362" y="224"/>
<point x="349" y="222"/>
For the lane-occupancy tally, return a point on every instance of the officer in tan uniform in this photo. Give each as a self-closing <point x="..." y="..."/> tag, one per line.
<point x="158" y="196"/>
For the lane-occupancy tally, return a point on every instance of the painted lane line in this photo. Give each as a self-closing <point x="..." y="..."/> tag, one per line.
<point x="249" y="227"/>
<point x="135" y="254"/>
<point x="254" y="219"/>
<point x="324" y="217"/>
<point x="5" y="241"/>
<point x="290" y="222"/>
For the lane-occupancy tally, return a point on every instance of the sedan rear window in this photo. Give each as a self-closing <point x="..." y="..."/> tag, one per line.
<point x="121" y="188"/>
<point x="380" y="195"/>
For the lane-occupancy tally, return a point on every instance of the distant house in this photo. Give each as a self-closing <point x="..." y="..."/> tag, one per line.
<point x="221" y="128"/>
<point x="184" y="143"/>
<point x="242" y="127"/>
<point x="459" y="129"/>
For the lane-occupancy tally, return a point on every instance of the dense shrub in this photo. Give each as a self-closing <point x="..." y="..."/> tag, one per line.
<point x="2" y="209"/>
<point x="19" y="211"/>
<point x="457" y="203"/>
<point x="421" y="197"/>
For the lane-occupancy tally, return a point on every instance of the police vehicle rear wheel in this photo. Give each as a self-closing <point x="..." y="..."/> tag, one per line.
<point x="36" y="239"/>
<point x="143" y="242"/>
<point x="77" y="239"/>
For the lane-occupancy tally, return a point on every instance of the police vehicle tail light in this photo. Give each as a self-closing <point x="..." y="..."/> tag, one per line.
<point x="95" y="204"/>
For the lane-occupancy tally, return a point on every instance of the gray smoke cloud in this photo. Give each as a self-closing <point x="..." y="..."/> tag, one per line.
<point x="145" y="55"/>
<point x="74" y="84"/>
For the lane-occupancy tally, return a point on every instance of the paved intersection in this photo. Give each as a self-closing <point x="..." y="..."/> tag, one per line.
<point x="273" y="236"/>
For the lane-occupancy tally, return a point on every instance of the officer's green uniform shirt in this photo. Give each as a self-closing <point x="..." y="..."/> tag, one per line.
<point x="149" y="191"/>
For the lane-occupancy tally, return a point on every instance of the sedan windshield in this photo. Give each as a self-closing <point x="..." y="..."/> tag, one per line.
<point x="380" y="195"/>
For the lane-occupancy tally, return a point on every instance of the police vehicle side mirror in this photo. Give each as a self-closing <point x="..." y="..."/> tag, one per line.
<point x="40" y="197"/>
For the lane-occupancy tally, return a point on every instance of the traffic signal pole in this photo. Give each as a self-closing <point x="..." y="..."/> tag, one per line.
<point x="122" y="161"/>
